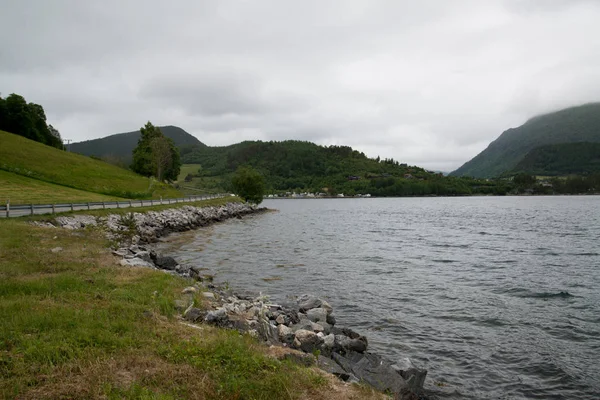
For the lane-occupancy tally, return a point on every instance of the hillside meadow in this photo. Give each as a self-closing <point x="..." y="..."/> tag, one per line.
<point x="25" y="157"/>
<point x="19" y="189"/>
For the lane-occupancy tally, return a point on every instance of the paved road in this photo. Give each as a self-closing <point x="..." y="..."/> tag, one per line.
<point x="37" y="209"/>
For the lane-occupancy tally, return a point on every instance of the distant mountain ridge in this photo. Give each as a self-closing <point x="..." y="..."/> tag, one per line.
<point x="121" y="145"/>
<point x="301" y="166"/>
<point x="561" y="159"/>
<point x="571" y="125"/>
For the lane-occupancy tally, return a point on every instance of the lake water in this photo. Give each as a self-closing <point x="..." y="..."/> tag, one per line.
<point x="498" y="297"/>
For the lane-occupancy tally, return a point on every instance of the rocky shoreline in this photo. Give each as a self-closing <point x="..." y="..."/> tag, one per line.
<point x="306" y="325"/>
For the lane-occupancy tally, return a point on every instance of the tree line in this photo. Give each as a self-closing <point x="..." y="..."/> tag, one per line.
<point x="28" y="120"/>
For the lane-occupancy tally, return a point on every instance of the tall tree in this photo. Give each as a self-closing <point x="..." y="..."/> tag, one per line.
<point x="156" y="155"/>
<point x="249" y="184"/>
<point x="161" y="156"/>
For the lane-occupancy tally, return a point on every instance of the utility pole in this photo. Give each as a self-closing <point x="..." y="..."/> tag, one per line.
<point x="68" y="144"/>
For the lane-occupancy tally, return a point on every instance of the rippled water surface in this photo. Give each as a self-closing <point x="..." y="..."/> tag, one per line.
<point x="498" y="297"/>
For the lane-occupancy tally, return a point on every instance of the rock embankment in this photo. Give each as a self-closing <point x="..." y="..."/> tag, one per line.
<point x="308" y="325"/>
<point x="147" y="227"/>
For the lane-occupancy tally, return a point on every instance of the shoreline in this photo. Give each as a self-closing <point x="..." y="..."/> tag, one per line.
<point x="432" y="195"/>
<point x="306" y="329"/>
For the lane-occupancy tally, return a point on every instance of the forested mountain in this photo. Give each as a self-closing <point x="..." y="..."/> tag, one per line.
<point x="119" y="147"/>
<point x="303" y="166"/>
<point x="561" y="159"/>
<point x="571" y="125"/>
<point x="28" y="120"/>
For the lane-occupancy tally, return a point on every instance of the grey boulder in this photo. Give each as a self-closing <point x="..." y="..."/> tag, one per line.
<point x="306" y="341"/>
<point x="165" y="262"/>
<point x="317" y="314"/>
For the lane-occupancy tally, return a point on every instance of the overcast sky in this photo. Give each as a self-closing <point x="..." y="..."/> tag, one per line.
<point x="427" y="82"/>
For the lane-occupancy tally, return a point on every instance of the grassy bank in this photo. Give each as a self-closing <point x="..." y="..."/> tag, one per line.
<point x="23" y="190"/>
<point x="25" y="157"/>
<point x="73" y="324"/>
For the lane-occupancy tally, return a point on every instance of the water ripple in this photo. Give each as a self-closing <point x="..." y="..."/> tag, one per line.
<point x="497" y="297"/>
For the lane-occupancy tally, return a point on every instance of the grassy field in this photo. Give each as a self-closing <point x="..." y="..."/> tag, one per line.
<point x="73" y="324"/>
<point x="35" y="160"/>
<point x="206" y="184"/>
<point x="187" y="169"/>
<point x="20" y="190"/>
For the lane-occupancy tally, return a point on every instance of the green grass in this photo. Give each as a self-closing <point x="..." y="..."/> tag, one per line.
<point x="35" y="160"/>
<point x="20" y="190"/>
<point x="73" y="324"/>
<point x="204" y="184"/>
<point x="187" y="169"/>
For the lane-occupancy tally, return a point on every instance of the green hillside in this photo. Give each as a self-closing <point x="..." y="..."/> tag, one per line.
<point x="561" y="159"/>
<point x="25" y="157"/>
<point x="119" y="147"/>
<point x="571" y="125"/>
<point x="20" y="189"/>
<point x="303" y="166"/>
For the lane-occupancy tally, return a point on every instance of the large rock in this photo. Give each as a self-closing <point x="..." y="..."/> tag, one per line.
<point x="135" y="262"/>
<point x="183" y="269"/>
<point x="317" y="315"/>
<point x="308" y="325"/>
<point x="327" y="307"/>
<point x="330" y="319"/>
<point x="372" y="370"/>
<point x="122" y="252"/>
<point x="328" y="344"/>
<point x="307" y="302"/>
<point x="328" y="365"/>
<point x="346" y="332"/>
<point x="76" y="221"/>
<point x="345" y="344"/>
<point x="286" y="335"/>
<point x="414" y="376"/>
<point x="292" y="316"/>
<point x="144" y="255"/>
<point x="306" y="341"/>
<point x="165" y="262"/>
<point x="217" y="317"/>
<point x="267" y="331"/>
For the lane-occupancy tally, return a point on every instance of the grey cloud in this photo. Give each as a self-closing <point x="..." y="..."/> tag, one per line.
<point x="429" y="83"/>
<point x="216" y="94"/>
